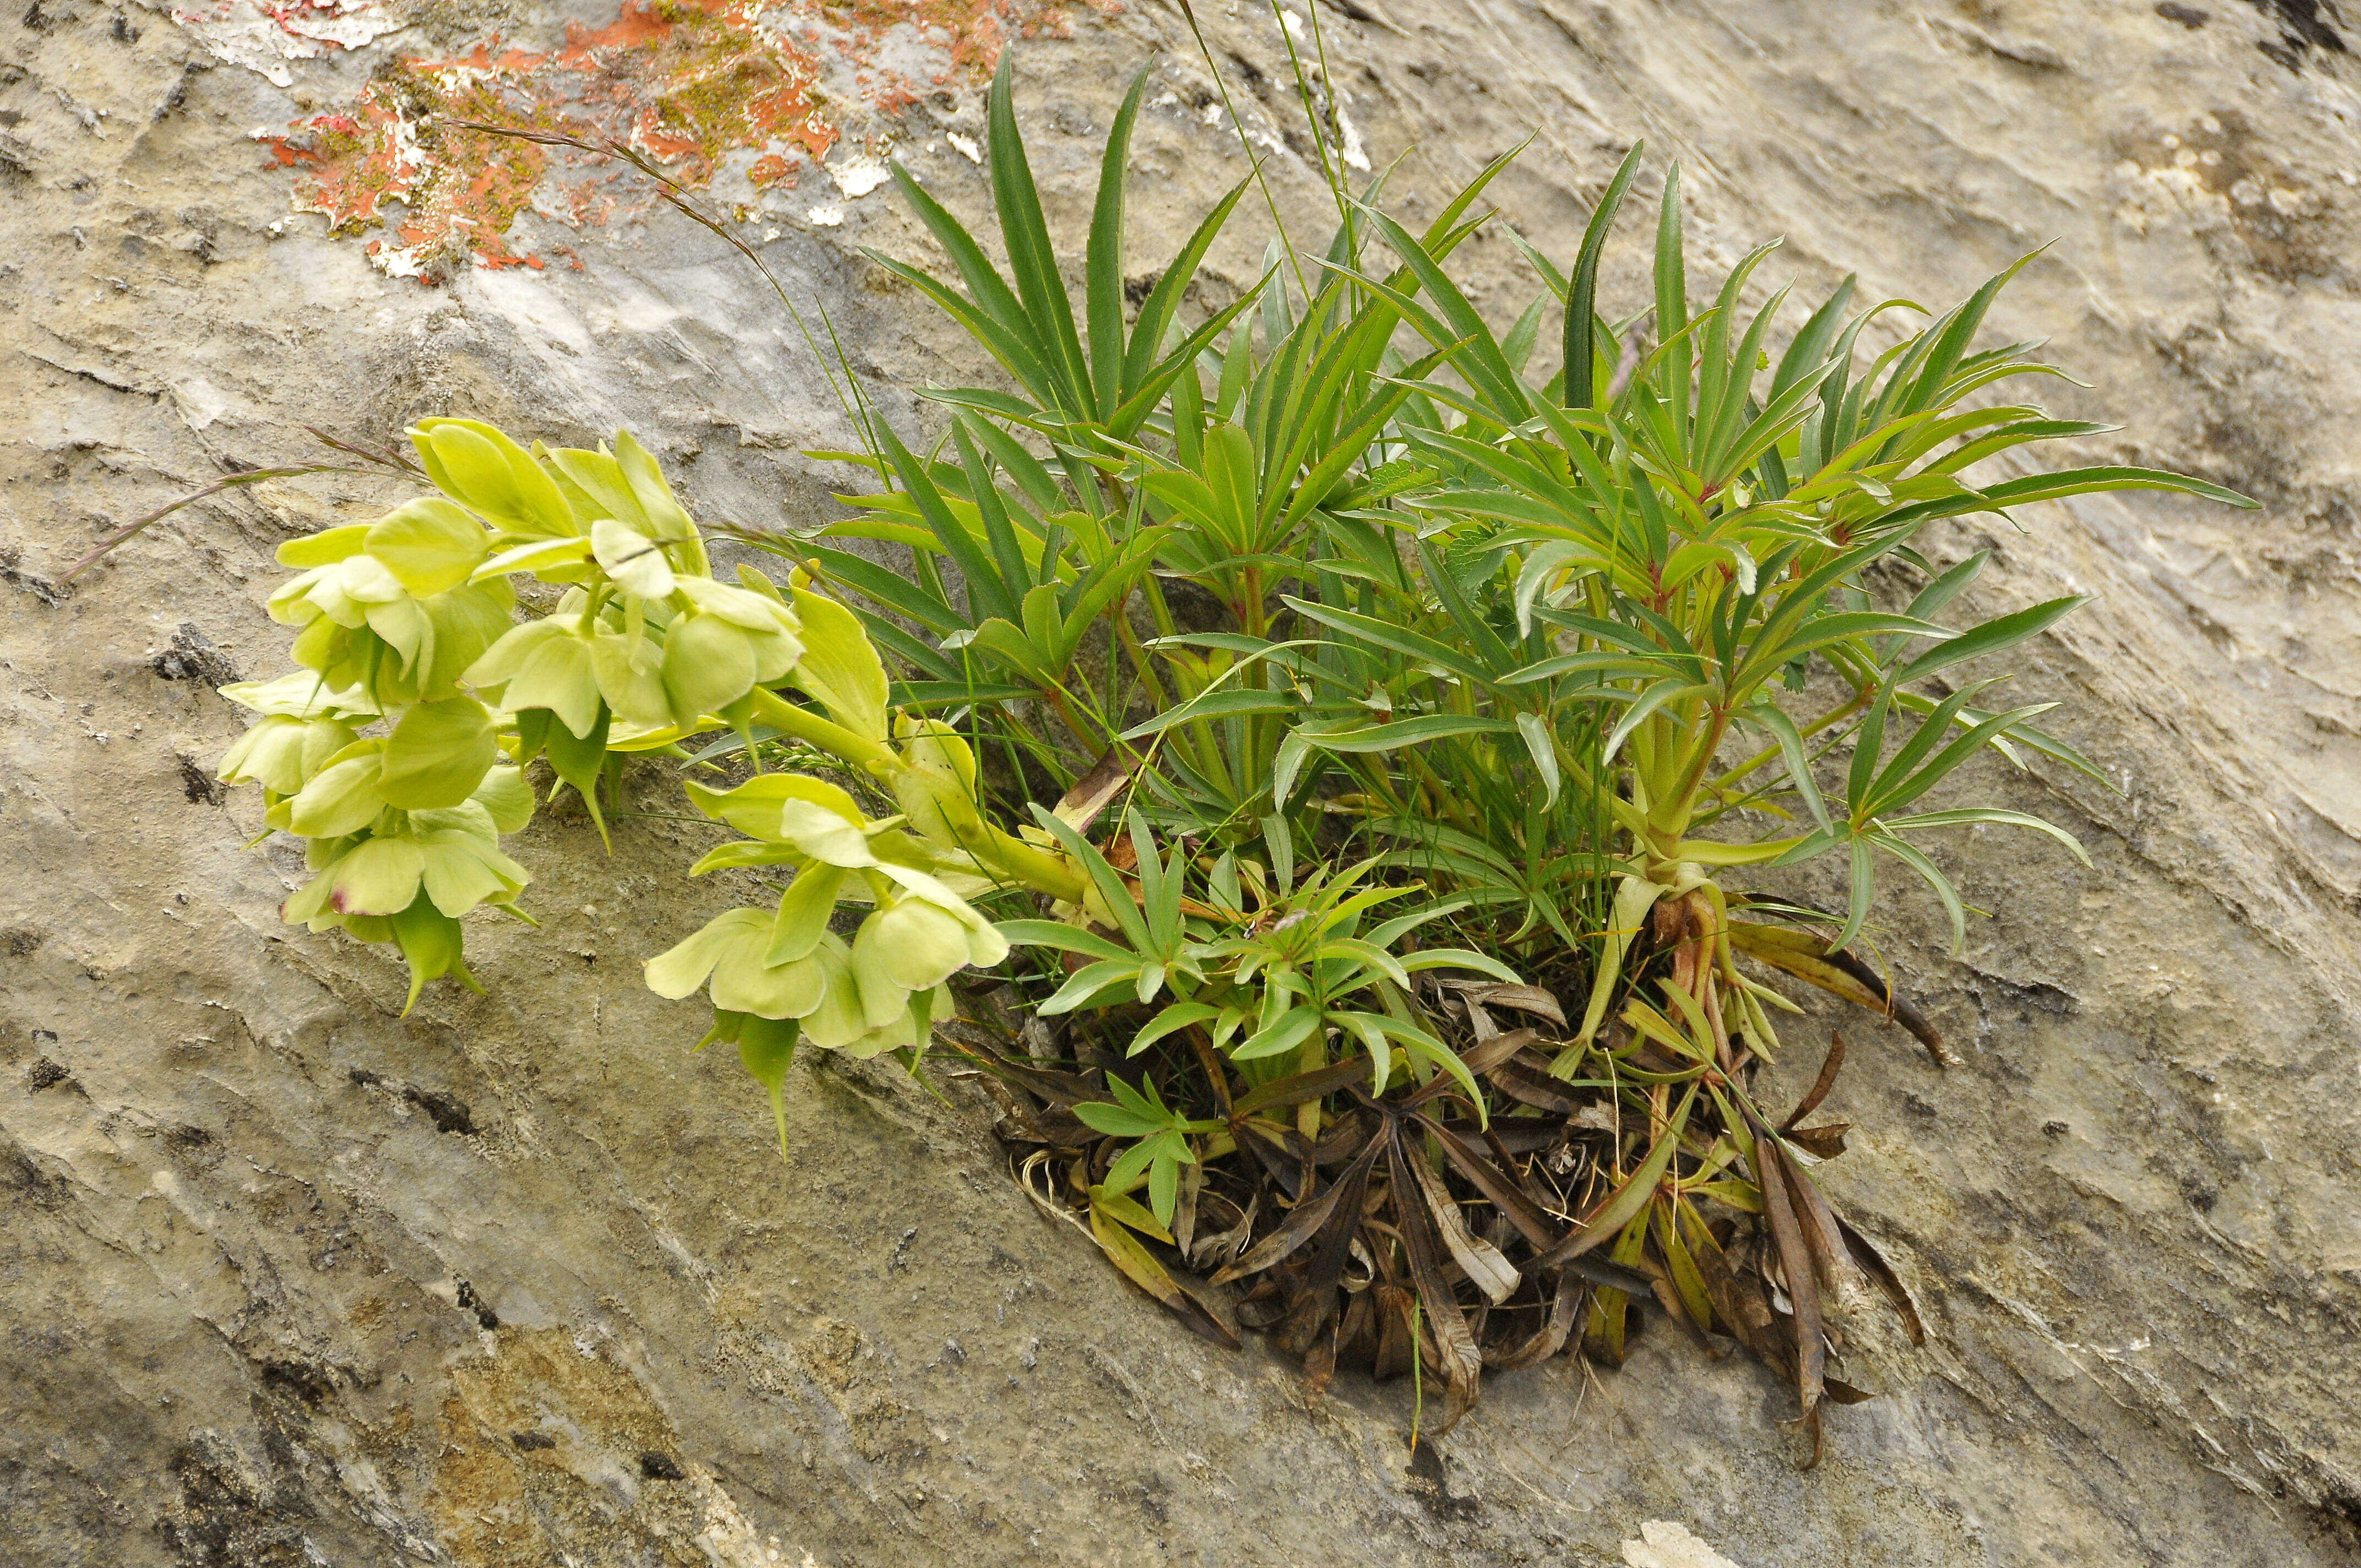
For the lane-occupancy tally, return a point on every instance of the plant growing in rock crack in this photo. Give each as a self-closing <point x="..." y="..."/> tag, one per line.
<point x="1304" y="691"/>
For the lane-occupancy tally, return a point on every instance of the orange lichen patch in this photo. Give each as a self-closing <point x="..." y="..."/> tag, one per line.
<point x="771" y="173"/>
<point x="687" y="83"/>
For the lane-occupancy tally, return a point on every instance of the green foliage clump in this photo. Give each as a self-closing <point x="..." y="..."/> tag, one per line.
<point x="1281" y="707"/>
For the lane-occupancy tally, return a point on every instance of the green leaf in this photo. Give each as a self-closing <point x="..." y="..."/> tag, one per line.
<point x="1116" y="1121"/>
<point x="1031" y="259"/>
<point x="1283" y="1035"/>
<point x="1544" y="754"/>
<point x="1056" y="933"/>
<point x="1103" y="262"/>
<point x="2006" y="632"/>
<point x="1968" y="815"/>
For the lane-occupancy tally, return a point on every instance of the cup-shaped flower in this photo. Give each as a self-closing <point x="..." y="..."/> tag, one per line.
<point x="342" y="588"/>
<point x="772" y="631"/>
<point x="542" y="664"/>
<point x="345" y="796"/>
<point x="728" y="955"/>
<point x="923" y="934"/>
<point x="282" y="754"/>
<point x="438" y="754"/>
<point x="363" y="627"/>
<point x="453" y="855"/>
<point x="629" y="670"/>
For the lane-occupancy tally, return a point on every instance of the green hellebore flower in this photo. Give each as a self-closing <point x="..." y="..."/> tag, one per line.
<point x="630" y="676"/>
<point x="985" y="945"/>
<point x="342" y="797"/>
<point x="401" y="649"/>
<point x="916" y="940"/>
<point x="542" y="664"/>
<point x="376" y="876"/>
<point x="455" y="856"/>
<point x="909" y="945"/>
<point x="342" y="590"/>
<point x="730" y="949"/>
<point x="282" y="754"/>
<point x="771" y="631"/>
<point x="708" y="663"/>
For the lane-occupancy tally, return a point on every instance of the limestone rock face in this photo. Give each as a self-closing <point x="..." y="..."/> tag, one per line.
<point x="286" y="1280"/>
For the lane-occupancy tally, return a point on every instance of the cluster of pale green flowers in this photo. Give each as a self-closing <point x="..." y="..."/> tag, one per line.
<point x="397" y="751"/>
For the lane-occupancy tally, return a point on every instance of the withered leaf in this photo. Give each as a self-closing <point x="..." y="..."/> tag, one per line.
<point x="1309" y="1217"/>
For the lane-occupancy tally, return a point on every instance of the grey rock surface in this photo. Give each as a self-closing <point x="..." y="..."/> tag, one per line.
<point x="287" y="1279"/>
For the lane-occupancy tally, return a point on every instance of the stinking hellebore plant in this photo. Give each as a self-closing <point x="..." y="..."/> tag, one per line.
<point x="1303" y="691"/>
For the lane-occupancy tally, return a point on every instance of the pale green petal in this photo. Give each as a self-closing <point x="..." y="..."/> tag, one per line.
<point x="775" y="654"/>
<point x="753" y="807"/>
<point x="823" y="835"/>
<point x="508" y="799"/>
<point x="558" y="676"/>
<point x="365" y="579"/>
<point x="629" y="678"/>
<point x="407" y="629"/>
<point x="480" y="465"/>
<point x="323" y="739"/>
<point x="838" y="1022"/>
<point x="439" y="753"/>
<point x="898" y="1033"/>
<point x="344" y="798"/>
<point x="740" y="606"/>
<point x="742" y="982"/>
<point x="803" y="911"/>
<point x="469" y="817"/>
<point x="882" y="995"/>
<point x="913" y="944"/>
<point x="679" y="970"/>
<point x="430" y="545"/>
<point x="503" y="658"/>
<point x="325" y="548"/>
<point x="379" y="876"/>
<point x="299" y="694"/>
<point x="630" y="559"/>
<point x="307" y="902"/>
<point x="650" y="488"/>
<point x="708" y="664"/>
<point x="270" y="754"/>
<point x="460" y="871"/>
